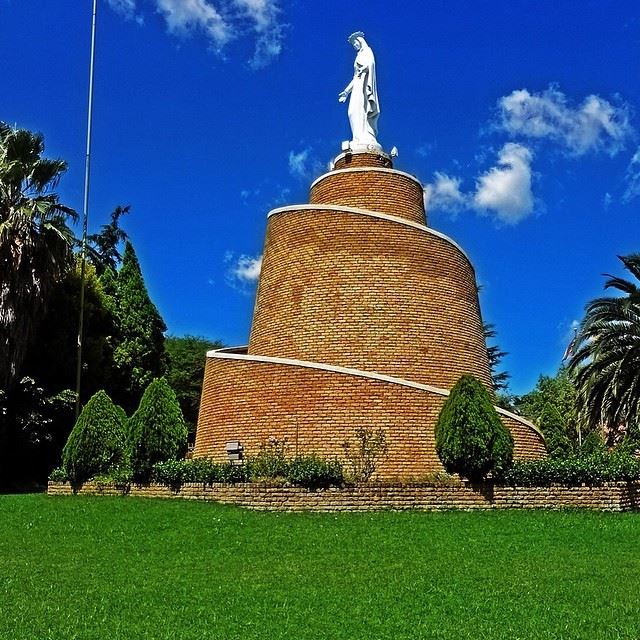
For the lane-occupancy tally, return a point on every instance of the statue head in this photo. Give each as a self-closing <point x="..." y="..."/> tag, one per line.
<point x="357" y="40"/>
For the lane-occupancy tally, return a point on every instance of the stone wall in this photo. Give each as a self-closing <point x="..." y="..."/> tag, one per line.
<point x="612" y="497"/>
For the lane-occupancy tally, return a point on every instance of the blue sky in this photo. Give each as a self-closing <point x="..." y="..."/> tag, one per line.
<point x="520" y="117"/>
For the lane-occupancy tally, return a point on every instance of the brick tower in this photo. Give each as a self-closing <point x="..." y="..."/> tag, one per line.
<point x="364" y="317"/>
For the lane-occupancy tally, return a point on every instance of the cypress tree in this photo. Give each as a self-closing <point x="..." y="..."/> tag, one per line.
<point x="158" y="431"/>
<point x="97" y="442"/>
<point x="470" y="437"/>
<point x="140" y="353"/>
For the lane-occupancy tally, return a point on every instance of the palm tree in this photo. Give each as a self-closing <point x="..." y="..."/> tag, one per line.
<point x="35" y="241"/>
<point x="606" y="364"/>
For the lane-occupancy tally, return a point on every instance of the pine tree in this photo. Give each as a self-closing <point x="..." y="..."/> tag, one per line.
<point x="158" y="431"/>
<point x="140" y="353"/>
<point x="470" y="437"/>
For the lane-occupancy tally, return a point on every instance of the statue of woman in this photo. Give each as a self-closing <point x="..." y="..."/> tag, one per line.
<point x="364" y="107"/>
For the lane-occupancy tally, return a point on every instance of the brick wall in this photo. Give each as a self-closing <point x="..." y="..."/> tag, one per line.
<point x="381" y="190"/>
<point x="317" y="410"/>
<point x="347" y="160"/>
<point x="351" y="290"/>
<point x="613" y="497"/>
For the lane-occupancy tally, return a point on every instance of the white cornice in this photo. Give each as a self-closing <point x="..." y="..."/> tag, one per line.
<point x="224" y="354"/>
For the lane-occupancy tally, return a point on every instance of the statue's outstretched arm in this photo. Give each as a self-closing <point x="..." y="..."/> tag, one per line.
<point x="342" y="96"/>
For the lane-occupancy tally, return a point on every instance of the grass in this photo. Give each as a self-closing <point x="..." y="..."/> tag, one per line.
<point x="113" y="568"/>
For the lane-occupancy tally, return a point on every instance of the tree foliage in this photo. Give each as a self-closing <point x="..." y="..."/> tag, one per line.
<point x="552" y="405"/>
<point x="499" y="379"/>
<point x="59" y="336"/>
<point x="35" y="242"/>
<point x="470" y="437"/>
<point x="158" y="431"/>
<point x="97" y="444"/>
<point x="186" y="358"/>
<point x="139" y="355"/>
<point x="606" y="364"/>
<point x="103" y="247"/>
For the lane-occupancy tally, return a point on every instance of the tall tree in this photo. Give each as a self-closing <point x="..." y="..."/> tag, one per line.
<point x="499" y="379"/>
<point x="185" y="372"/>
<point x="59" y="336"/>
<point x="140" y="355"/>
<point x="606" y="364"/>
<point x="35" y="241"/>
<point x="103" y="247"/>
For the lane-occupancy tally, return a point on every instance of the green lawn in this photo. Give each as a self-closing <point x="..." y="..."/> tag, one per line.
<point x="113" y="568"/>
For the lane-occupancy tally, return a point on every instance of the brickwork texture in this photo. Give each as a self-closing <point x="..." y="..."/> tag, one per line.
<point x="612" y="497"/>
<point x="372" y="290"/>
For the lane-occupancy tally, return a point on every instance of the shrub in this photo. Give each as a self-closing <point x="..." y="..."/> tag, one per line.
<point x="593" y="470"/>
<point x="97" y="442"/>
<point x="313" y="472"/>
<point x="175" y="473"/>
<point x="363" y="456"/>
<point x="270" y="461"/>
<point x="158" y="431"/>
<point x="470" y="437"/>
<point x="59" y="475"/>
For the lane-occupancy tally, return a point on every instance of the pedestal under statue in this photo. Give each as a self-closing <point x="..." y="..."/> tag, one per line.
<point x="364" y="107"/>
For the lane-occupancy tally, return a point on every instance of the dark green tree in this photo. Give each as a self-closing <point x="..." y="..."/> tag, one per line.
<point x="471" y="440"/>
<point x="97" y="443"/>
<point x="499" y="379"/>
<point x="157" y="429"/>
<point x="103" y="247"/>
<point x="59" y="336"/>
<point x="552" y="405"/>
<point x="38" y="424"/>
<point x="139" y="355"/>
<point x="35" y="242"/>
<point x="606" y="364"/>
<point x="555" y="431"/>
<point x="186" y="358"/>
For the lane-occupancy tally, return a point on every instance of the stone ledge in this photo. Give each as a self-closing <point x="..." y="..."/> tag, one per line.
<point x="620" y="496"/>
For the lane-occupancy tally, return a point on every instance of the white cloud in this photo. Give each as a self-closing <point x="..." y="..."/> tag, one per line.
<point x="303" y="165"/>
<point x="633" y="178"/>
<point x="184" y="17"/>
<point x="263" y="14"/>
<point x="594" y="125"/>
<point x="126" y="8"/>
<point x="424" y="150"/>
<point x="444" y="194"/>
<point x="506" y="188"/>
<point x="245" y="270"/>
<point x="220" y="21"/>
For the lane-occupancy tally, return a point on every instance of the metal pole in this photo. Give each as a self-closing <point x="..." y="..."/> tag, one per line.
<point x="85" y="209"/>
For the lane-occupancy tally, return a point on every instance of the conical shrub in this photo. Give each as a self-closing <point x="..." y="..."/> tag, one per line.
<point x="97" y="442"/>
<point x="158" y="430"/>
<point x="470" y="437"/>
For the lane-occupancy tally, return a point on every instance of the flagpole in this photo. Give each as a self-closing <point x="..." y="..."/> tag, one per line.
<point x="85" y="209"/>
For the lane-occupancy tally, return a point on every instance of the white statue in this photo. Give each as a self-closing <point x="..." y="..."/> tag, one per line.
<point x="364" y="107"/>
